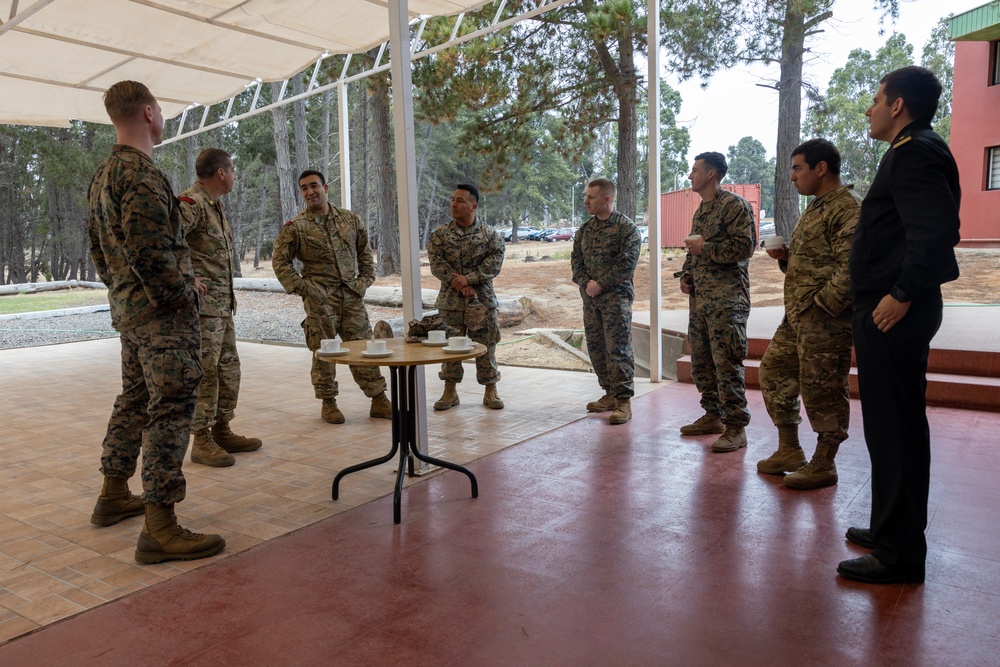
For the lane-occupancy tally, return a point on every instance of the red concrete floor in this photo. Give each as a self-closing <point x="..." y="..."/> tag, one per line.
<point x="589" y="545"/>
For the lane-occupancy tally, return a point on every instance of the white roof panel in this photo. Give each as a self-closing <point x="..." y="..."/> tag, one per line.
<point x="58" y="56"/>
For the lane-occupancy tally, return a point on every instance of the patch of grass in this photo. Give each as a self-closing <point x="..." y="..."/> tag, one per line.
<point x="576" y="340"/>
<point x="561" y="254"/>
<point x="71" y="298"/>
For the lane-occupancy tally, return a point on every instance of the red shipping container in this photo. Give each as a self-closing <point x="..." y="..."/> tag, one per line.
<point x="677" y="210"/>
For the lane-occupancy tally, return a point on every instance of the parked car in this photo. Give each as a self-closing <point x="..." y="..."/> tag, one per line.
<point x="541" y="234"/>
<point x="522" y="233"/>
<point x="644" y="232"/>
<point x="564" y="234"/>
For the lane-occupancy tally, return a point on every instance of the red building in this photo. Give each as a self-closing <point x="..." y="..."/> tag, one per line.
<point x="677" y="210"/>
<point x="975" y="122"/>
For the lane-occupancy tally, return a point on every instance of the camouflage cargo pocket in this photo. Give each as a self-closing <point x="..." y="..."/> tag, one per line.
<point x="476" y="316"/>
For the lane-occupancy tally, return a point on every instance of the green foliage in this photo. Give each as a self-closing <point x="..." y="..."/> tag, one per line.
<point x="748" y="163"/>
<point x="840" y="115"/>
<point x="939" y="57"/>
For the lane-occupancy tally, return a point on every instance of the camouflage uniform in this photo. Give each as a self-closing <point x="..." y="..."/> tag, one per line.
<point x="811" y="350"/>
<point x="337" y="269"/>
<point x="210" y="239"/>
<point x="607" y="251"/>
<point x="720" y="304"/>
<point x="475" y="252"/>
<point x="137" y="244"/>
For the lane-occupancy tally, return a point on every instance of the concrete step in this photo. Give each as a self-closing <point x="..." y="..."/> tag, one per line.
<point x="955" y="379"/>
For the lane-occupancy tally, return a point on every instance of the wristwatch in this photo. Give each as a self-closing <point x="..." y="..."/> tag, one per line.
<point x="899" y="294"/>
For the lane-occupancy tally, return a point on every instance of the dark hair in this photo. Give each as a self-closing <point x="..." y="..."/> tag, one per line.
<point x="815" y="151"/>
<point x="312" y="172"/>
<point x="716" y="161"/>
<point x="918" y="87"/>
<point x="125" y="99"/>
<point x="210" y="161"/>
<point x="471" y="189"/>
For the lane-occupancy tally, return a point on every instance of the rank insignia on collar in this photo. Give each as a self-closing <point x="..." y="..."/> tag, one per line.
<point x="901" y="142"/>
<point x="288" y="223"/>
<point x="186" y="200"/>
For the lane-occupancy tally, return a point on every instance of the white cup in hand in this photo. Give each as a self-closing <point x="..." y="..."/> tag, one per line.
<point x="774" y="243"/>
<point x="691" y="238"/>
<point x="436" y="336"/>
<point x="458" y="342"/>
<point x="376" y="346"/>
<point x="329" y="345"/>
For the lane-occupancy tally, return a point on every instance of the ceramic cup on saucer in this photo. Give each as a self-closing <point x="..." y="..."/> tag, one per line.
<point x="436" y="336"/>
<point x="329" y="345"/>
<point x="376" y="346"/>
<point x="459" y="343"/>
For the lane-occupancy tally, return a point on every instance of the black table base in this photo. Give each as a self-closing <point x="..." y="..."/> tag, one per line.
<point x="403" y="390"/>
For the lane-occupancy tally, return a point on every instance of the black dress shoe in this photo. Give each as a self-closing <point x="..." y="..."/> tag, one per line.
<point x="871" y="570"/>
<point x="861" y="537"/>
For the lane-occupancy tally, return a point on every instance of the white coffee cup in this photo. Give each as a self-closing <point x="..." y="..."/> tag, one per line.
<point x="459" y="342"/>
<point x="774" y="242"/>
<point x="329" y="345"/>
<point x="376" y="346"/>
<point x="691" y="238"/>
<point x="436" y="336"/>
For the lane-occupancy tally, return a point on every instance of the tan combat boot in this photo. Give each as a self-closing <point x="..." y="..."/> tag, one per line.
<point x="819" y="472"/>
<point x="704" y="425"/>
<point x="162" y="539"/>
<point x="605" y="404"/>
<point x="789" y="456"/>
<point x="448" y="399"/>
<point x="622" y="412"/>
<point x="734" y="437"/>
<point x="208" y="453"/>
<point x="229" y="441"/>
<point x="115" y="503"/>
<point x="491" y="398"/>
<point x="381" y="408"/>
<point x="331" y="413"/>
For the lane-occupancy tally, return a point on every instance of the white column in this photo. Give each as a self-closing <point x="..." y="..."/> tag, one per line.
<point x="406" y="184"/>
<point x="653" y="208"/>
<point x="343" y="127"/>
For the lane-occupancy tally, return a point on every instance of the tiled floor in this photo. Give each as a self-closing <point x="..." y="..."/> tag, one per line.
<point x="54" y="406"/>
<point x="588" y="545"/>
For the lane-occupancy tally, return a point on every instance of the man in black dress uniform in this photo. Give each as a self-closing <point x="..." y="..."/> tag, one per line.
<point x="903" y="251"/>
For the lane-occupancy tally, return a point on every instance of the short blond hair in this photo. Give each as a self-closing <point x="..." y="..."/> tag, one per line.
<point x="606" y="187"/>
<point x="125" y="99"/>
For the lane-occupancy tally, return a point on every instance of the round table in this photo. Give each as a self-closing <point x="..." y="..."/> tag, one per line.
<point x="402" y="365"/>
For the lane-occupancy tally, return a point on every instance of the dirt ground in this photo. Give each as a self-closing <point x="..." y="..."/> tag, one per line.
<point x="541" y="271"/>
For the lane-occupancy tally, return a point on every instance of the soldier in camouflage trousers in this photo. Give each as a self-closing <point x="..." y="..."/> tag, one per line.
<point x="723" y="239"/>
<point x="605" y="254"/>
<point x="337" y="270"/>
<point x="137" y="244"/>
<point x="810" y="353"/>
<point x="211" y="242"/>
<point x="466" y="256"/>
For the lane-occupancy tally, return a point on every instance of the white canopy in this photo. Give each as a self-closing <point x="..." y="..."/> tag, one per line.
<point x="57" y="57"/>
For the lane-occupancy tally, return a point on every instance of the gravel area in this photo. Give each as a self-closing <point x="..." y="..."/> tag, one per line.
<point x="259" y="316"/>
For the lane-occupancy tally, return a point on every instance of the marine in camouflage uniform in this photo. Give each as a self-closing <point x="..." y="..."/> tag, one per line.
<point x="466" y="256"/>
<point x="137" y="244"/>
<point x="337" y="270"/>
<point x="138" y="248"/>
<point x="605" y="254"/>
<point x="210" y="239"/>
<point x="810" y="353"/>
<point x="715" y="270"/>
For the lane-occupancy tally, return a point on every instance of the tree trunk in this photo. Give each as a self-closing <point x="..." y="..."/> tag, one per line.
<point x="286" y="180"/>
<point x="386" y="217"/>
<point x="299" y="126"/>
<point x="260" y="219"/>
<point x="625" y="91"/>
<point x="786" y="198"/>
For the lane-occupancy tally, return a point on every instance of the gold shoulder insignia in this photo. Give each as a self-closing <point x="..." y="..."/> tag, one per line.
<point x="901" y="142"/>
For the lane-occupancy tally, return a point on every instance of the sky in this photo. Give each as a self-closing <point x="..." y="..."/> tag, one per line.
<point x="734" y="106"/>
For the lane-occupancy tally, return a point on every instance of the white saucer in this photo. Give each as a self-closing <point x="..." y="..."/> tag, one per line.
<point x="459" y="350"/>
<point x="339" y="353"/>
<point x="430" y="343"/>
<point x="376" y="355"/>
